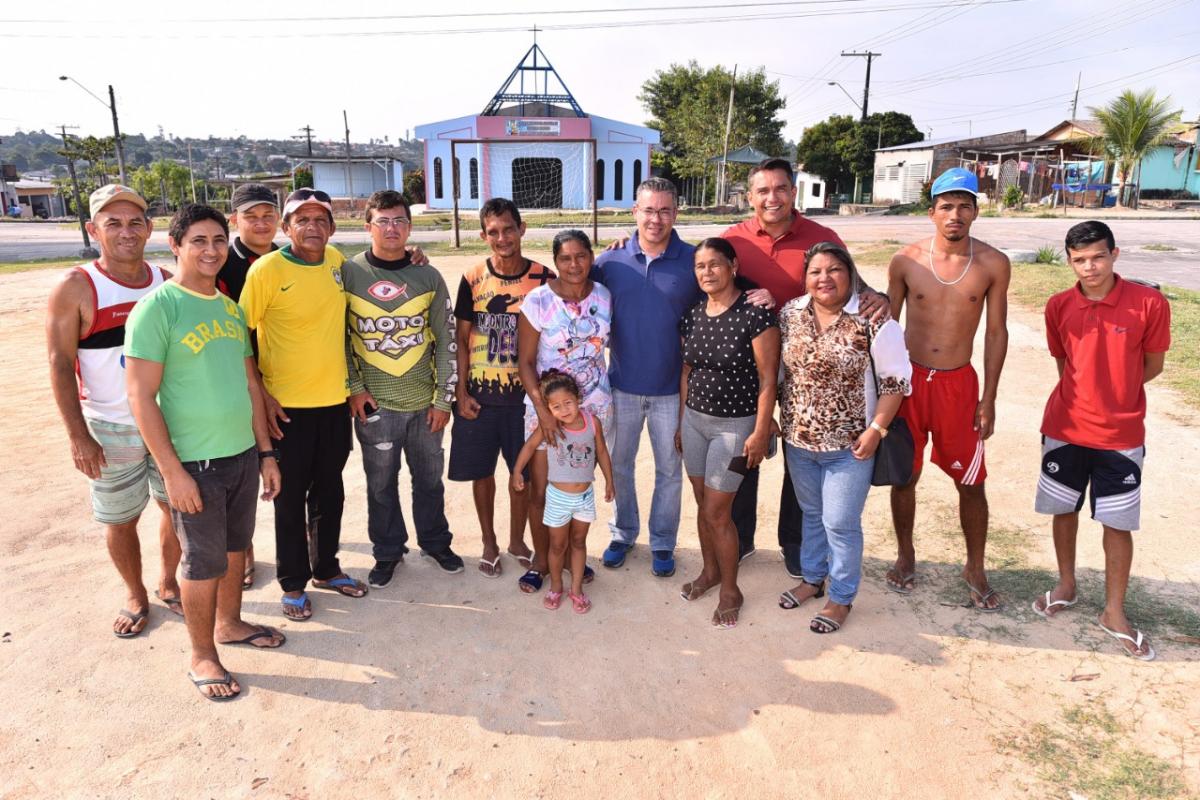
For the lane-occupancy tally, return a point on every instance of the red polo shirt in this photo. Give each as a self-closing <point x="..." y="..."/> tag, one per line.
<point x="1100" y="401"/>
<point x="777" y="265"/>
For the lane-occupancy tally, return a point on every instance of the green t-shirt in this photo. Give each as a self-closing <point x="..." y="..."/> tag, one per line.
<point x="202" y="343"/>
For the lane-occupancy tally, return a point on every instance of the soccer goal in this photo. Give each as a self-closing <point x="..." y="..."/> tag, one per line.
<point x="538" y="174"/>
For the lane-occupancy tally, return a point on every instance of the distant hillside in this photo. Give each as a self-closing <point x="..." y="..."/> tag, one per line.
<point x="36" y="151"/>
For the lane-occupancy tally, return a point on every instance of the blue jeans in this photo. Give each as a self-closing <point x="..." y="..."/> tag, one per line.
<point x="385" y="437"/>
<point x="832" y="490"/>
<point x="661" y="415"/>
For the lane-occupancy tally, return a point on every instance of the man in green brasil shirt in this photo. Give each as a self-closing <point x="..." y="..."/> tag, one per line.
<point x="403" y="376"/>
<point x="193" y="391"/>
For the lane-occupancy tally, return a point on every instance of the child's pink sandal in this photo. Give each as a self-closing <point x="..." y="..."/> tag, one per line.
<point x="552" y="600"/>
<point x="580" y="603"/>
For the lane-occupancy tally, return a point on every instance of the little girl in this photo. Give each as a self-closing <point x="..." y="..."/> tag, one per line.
<point x="570" y="500"/>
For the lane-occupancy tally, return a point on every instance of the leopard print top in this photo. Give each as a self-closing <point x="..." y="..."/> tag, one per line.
<point x="823" y="400"/>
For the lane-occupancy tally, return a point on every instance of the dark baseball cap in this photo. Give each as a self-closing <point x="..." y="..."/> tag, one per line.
<point x="253" y="194"/>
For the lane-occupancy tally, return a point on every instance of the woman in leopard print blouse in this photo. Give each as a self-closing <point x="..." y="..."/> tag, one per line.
<point x="833" y="421"/>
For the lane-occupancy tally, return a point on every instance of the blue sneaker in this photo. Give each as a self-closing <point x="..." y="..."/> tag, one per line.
<point x="663" y="565"/>
<point x="614" y="556"/>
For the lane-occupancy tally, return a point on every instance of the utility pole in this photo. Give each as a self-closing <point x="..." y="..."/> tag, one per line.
<point x="721" y="187"/>
<point x="866" y="98"/>
<point x="191" y="170"/>
<point x="349" y="177"/>
<point x="1075" y="102"/>
<point x="88" y="251"/>
<point x="112" y="105"/>
<point x="308" y="137"/>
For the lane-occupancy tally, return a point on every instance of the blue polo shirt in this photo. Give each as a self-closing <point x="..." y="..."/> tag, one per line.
<point x="649" y="297"/>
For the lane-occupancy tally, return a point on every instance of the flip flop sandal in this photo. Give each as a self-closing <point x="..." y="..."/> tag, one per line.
<point x="580" y="603"/>
<point x="1044" y="612"/>
<point x="686" y="591"/>
<point x="902" y="588"/>
<point x="493" y="569"/>
<point x="262" y="632"/>
<point x="136" y="618"/>
<point x="788" y="601"/>
<point x="1137" y="643"/>
<point x="302" y="602"/>
<point x="248" y="578"/>
<point x="343" y="585"/>
<point x="552" y="600"/>
<point x="530" y="582"/>
<point x="524" y="561"/>
<point x="200" y="683"/>
<point x="175" y="604"/>
<point x="983" y="598"/>
<point x="823" y="624"/>
<point x="724" y="624"/>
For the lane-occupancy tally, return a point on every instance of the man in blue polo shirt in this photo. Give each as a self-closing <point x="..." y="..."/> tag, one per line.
<point x="653" y="282"/>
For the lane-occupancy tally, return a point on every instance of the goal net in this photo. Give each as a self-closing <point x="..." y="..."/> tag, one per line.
<point x="548" y="174"/>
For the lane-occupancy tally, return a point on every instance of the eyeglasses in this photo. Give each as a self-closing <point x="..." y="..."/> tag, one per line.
<point x="310" y="194"/>
<point x="661" y="213"/>
<point x="391" y="222"/>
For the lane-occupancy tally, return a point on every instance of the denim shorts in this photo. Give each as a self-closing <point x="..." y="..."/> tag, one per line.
<point x="710" y="443"/>
<point x="228" y="491"/>
<point x="562" y="507"/>
<point x="129" y="477"/>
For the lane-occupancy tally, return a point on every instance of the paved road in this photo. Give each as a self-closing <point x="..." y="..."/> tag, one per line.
<point x="1179" y="267"/>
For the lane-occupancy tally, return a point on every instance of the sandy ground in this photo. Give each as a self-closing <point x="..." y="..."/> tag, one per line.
<point x="457" y="686"/>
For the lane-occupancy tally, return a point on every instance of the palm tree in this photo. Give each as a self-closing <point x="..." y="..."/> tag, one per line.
<point x="1133" y="124"/>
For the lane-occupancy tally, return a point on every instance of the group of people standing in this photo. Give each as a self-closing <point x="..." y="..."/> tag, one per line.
<point x="252" y="365"/>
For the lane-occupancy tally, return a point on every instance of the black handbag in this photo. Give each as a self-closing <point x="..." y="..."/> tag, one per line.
<point x="894" y="456"/>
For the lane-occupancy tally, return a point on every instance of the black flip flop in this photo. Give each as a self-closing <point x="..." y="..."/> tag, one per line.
<point x="261" y="632"/>
<point x="136" y="618"/>
<point x="175" y="604"/>
<point x="199" y="683"/>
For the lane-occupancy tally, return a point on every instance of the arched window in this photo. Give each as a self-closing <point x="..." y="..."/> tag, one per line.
<point x="600" y="179"/>
<point x="474" y="178"/>
<point x="637" y="173"/>
<point x="618" y="180"/>
<point x="437" y="178"/>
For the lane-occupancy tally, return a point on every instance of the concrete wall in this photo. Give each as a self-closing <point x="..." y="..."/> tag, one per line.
<point x="1159" y="170"/>
<point x="899" y="175"/>
<point x="367" y="178"/>
<point x="810" y="191"/>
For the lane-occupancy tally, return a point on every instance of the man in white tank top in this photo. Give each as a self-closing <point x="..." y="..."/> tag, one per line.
<point x="85" y="331"/>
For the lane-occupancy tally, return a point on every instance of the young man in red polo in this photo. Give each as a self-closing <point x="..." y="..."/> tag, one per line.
<point x="1109" y="337"/>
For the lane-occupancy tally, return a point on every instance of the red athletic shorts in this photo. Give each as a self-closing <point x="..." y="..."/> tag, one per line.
<point x="942" y="404"/>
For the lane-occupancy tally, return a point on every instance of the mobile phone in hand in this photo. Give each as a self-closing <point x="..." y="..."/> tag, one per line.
<point x="738" y="464"/>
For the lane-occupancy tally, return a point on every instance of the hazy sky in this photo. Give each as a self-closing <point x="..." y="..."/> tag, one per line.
<point x="232" y="68"/>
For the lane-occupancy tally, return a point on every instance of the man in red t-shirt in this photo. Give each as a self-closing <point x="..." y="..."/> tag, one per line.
<point x="1109" y="337"/>
<point x="771" y="246"/>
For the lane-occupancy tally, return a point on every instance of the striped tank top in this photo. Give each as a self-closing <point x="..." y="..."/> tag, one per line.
<point x="100" y="364"/>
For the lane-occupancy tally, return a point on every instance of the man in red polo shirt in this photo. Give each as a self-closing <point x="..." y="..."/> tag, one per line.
<point x="770" y="247"/>
<point x="1109" y="337"/>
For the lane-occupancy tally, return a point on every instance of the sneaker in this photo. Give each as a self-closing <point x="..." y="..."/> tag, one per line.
<point x="743" y="554"/>
<point x="614" y="556"/>
<point x="791" y="561"/>
<point x="663" y="565"/>
<point x="381" y="574"/>
<point x="447" y="559"/>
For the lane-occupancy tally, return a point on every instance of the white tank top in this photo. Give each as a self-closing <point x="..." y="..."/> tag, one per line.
<point x="100" y="364"/>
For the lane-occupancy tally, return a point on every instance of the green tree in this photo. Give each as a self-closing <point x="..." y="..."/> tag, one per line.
<point x="414" y="186"/>
<point x="821" y="153"/>
<point x="688" y="105"/>
<point x="879" y="130"/>
<point x="302" y="178"/>
<point x="1133" y="124"/>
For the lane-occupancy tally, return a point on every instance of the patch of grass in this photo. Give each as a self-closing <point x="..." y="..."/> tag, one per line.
<point x="1087" y="753"/>
<point x="1048" y="254"/>
<point x="1046" y="215"/>
<point x="1160" y="248"/>
<point x="1156" y="614"/>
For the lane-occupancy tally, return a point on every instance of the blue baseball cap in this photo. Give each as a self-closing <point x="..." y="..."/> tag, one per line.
<point x="956" y="179"/>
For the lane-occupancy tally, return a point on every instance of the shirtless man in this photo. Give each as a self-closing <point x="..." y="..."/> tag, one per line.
<point x="947" y="279"/>
<point x="85" y="330"/>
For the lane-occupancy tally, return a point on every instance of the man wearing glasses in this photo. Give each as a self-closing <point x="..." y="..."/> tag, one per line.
<point x="652" y="280"/>
<point x="294" y="302"/>
<point x="403" y="376"/>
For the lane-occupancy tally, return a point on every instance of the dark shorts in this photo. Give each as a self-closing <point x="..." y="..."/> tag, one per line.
<point x="228" y="491"/>
<point x="1115" y="478"/>
<point x="476" y="443"/>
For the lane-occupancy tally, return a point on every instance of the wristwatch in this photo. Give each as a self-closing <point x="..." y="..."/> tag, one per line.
<point x="268" y="454"/>
<point x="875" y="426"/>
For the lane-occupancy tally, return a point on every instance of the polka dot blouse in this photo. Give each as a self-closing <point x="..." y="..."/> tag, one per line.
<point x="723" y="381"/>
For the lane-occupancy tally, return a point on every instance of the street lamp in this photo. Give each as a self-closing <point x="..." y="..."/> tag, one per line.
<point x="857" y="104"/>
<point x="111" y="105"/>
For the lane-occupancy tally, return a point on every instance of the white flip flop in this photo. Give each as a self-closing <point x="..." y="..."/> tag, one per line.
<point x="1137" y="643"/>
<point x="1041" y="612"/>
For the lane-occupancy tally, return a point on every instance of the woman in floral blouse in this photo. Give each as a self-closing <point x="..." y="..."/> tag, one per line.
<point x="833" y="419"/>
